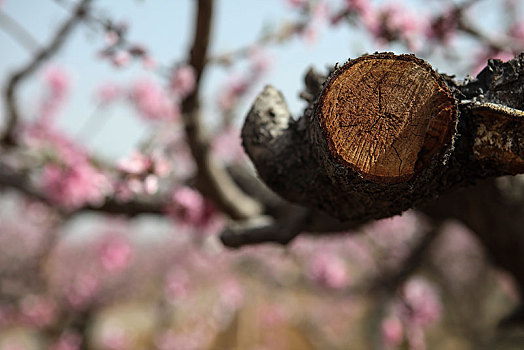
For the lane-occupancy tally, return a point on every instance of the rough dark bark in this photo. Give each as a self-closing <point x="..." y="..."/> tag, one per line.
<point x="294" y="159"/>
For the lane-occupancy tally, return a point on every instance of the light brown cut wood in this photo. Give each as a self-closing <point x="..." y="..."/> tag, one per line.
<point x="387" y="116"/>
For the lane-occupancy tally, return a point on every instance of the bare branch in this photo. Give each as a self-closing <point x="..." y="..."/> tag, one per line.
<point x="44" y="54"/>
<point x="17" y="32"/>
<point x="213" y="180"/>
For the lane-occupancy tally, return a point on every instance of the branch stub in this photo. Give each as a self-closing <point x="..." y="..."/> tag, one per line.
<point x="386" y="116"/>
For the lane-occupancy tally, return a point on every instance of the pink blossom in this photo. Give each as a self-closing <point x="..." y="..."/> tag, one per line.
<point x="259" y="59"/>
<point x="362" y="7"/>
<point x="230" y="94"/>
<point x="394" y="22"/>
<point x="517" y="31"/>
<point x="83" y="290"/>
<point x="392" y="332"/>
<point x="58" y="84"/>
<point x="13" y="344"/>
<point x="178" y="284"/>
<point x="120" y="58"/>
<point x="149" y="62"/>
<point x="183" y="80"/>
<point x="444" y="27"/>
<point x="190" y="207"/>
<point x="108" y="93"/>
<point x="115" y="254"/>
<point x="297" y="3"/>
<point x="184" y="341"/>
<point x="161" y="165"/>
<point x="74" y="186"/>
<point x="421" y="304"/>
<point x="68" y="341"/>
<point x="112" y="38"/>
<point x="58" y="81"/>
<point x="231" y="293"/>
<point x="328" y="270"/>
<point x="38" y="310"/>
<point x="319" y="17"/>
<point x="228" y="146"/>
<point x="137" y="163"/>
<point x="151" y="184"/>
<point x="152" y="102"/>
<point x="115" y="338"/>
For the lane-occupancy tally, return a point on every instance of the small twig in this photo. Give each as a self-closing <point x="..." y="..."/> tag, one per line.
<point x="17" y="32"/>
<point x="43" y="55"/>
<point x="12" y="179"/>
<point x="214" y="181"/>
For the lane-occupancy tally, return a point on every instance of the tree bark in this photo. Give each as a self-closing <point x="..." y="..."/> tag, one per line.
<point x="385" y="133"/>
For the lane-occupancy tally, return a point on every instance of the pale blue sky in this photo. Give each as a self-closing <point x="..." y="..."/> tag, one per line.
<point x="165" y="28"/>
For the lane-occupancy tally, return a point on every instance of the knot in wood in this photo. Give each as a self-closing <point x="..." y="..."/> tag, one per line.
<point x="386" y="116"/>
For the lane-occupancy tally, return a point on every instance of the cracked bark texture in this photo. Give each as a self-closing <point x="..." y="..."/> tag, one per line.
<point x="468" y="184"/>
<point x="293" y="157"/>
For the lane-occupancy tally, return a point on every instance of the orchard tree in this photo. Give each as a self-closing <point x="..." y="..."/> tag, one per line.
<point x="388" y="215"/>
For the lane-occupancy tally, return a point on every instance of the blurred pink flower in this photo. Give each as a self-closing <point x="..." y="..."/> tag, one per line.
<point x="177" y="285"/>
<point x="58" y="81"/>
<point x="444" y="27"/>
<point x="58" y="84"/>
<point x="420" y="304"/>
<point x="152" y="102"/>
<point x="137" y="163"/>
<point x="115" y="338"/>
<point x="297" y="3"/>
<point x="149" y="62"/>
<point x="392" y="332"/>
<point x="185" y="341"/>
<point x="83" y="289"/>
<point x="161" y="165"/>
<point x="75" y="185"/>
<point x="183" y="80"/>
<point x="151" y="184"/>
<point x="115" y="254"/>
<point x="228" y="146"/>
<point x="259" y="59"/>
<point x="328" y="270"/>
<point x="362" y="7"/>
<point x="231" y="293"/>
<point x="112" y="38"/>
<point x="517" y="31"/>
<point x="39" y="311"/>
<point x="229" y="94"/>
<point x="108" y="92"/>
<point x="394" y="22"/>
<point x="120" y="58"/>
<point x="191" y="208"/>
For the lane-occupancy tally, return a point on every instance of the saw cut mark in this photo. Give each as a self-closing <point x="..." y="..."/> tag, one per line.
<point x="386" y="116"/>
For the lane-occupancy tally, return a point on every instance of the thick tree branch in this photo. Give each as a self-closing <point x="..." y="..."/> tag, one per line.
<point x="213" y="180"/>
<point x="43" y="55"/>
<point x="294" y="159"/>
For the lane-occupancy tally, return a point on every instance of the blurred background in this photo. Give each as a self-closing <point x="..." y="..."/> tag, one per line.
<point x="99" y="120"/>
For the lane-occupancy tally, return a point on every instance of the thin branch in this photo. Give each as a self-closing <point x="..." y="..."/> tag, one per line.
<point x="43" y="55"/>
<point x="213" y="179"/>
<point x="17" y="32"/>
<point x="266" y="230"/>
<point x="12" y="179"/>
